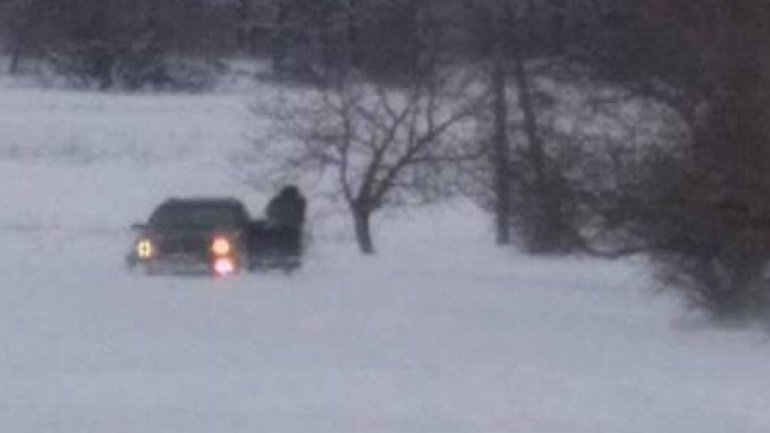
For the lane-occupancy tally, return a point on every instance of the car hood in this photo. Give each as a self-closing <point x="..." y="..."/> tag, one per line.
<point x="186" y="240"/>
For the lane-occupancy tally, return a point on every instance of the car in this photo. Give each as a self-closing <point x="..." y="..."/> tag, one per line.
<point x="214" y="236"/>
<point x="195" y="235"/>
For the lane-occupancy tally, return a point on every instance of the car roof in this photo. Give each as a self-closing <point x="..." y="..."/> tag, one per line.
<point x="203" y="201"/>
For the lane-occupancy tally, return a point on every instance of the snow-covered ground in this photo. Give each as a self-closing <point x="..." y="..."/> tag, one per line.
<point x="441" y="333"/>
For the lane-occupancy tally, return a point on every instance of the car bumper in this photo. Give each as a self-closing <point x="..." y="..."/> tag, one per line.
<point x="174" y="265"/>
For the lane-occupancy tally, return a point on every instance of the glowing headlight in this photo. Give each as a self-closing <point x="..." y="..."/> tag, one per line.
<point x="144" y="249"/>
<point x="221" y="246"/>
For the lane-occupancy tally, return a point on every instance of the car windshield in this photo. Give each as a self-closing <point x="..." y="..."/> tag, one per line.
<point x="195" y="215"/>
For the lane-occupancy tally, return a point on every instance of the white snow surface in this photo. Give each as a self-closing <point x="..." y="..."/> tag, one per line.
<point x="442" y="332"/>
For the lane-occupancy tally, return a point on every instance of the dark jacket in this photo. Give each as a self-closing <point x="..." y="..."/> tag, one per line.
<point x="287" y="208"/>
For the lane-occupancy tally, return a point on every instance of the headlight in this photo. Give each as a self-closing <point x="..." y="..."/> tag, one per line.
<point x="221" y="246"/>
<point x="144" y="249"/>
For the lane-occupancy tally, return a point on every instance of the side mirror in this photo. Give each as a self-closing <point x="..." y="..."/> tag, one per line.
<point x="137" y="227"/>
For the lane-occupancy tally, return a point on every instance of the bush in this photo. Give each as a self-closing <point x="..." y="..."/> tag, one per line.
<point x="707" y="237"/>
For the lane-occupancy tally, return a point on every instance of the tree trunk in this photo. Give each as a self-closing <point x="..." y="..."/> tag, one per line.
<point x="13" y="67"/>
<point x="361" y="219"/>
<point x="104" y="69"/>
<point x="278" y="44"/>
<point x="354" y="51"/>
<point x="546" y="219"/>
<point x="500" y="146"/>
<point x="558" y="24"/>
<point x="537" y="151"/>
<point x="242" y="27"/>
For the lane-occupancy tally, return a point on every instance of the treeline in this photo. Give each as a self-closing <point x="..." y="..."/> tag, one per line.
<point x="115" y="43"/>
<point x="124" y="42"/>
<point x="605" y="127"/>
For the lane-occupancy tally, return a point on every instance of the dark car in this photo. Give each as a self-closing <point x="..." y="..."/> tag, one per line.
<point x="213" y="236"/>
<point x="193" y="235"/>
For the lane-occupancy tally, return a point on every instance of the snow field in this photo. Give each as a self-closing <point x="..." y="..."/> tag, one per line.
<point x="440" y="333"/>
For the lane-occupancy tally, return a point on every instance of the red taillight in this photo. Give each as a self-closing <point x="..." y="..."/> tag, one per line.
<point x="223" y="261"/>
<point x="224" y="266"/>
<point x="221" y="246"/>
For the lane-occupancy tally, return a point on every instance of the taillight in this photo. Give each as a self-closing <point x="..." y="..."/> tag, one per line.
<point x="224" y="266"/>
<point x="224" y="257"/>
<point x="145" y="249"/>
<point x="221" y="246"/>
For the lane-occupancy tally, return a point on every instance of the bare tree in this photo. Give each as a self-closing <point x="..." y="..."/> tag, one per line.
<point x="383" y="146"/>
<point x="510" y="38"/>
<point x="487" y="23"/>
<point x="501" y="146"/>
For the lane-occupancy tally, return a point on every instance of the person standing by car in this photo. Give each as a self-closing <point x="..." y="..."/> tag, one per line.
<point x="285" y="217"/>
<point x="287" y="209"/>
